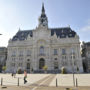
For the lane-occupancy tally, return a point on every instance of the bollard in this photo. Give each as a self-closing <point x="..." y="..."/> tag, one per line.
<point x="1" y="81"/>
<point x="18" y="81"/>
<point x="56" y="82"/>
<point x="76" y="83"/>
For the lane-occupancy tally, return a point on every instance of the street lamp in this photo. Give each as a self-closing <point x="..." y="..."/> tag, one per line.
<point x="73" y="67"/>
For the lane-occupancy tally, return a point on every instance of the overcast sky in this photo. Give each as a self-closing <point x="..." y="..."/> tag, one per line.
<point x="23" y="14"/>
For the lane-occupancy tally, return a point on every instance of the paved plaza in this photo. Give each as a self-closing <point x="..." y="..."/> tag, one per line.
<point x="45" y="82"/>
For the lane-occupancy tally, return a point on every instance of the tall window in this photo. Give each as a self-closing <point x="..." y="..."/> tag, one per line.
<point x="28" y="52"/>
<point x="72" y="53"/>
<point x="63" y="57"/>
<point x="55" y="52"/>
<point x="20" y="64"/>
<point x="13" y="64"/>
<point x="13" y="59"/>
<point x="41" y="50"/>
<point x="64" y="63"/>
<point x="63" y="51"/>
<point x="20" y="58"/>
<point x="21" y="53"/>
<point x="13" y="53"/>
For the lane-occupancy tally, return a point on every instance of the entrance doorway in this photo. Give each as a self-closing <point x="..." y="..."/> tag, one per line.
<point x="41" y="63"/>
<point x="28" y="67"/>
<point x="55" y="65"/>
<point x="84" y="67"/>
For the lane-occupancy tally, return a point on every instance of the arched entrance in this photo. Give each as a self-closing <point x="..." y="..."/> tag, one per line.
<point x="84" y="67"/>
<point x="41" y="63"/>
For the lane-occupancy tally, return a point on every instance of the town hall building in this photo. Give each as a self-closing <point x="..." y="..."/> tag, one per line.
<point x="54" y="48"/>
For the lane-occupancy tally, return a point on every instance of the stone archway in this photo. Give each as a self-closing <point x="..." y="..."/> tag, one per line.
<point x="41" y="63"/>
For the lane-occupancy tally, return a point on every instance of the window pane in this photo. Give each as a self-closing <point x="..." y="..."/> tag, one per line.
<point x="41" y="50"/>
<point x="55" y="51"/>
<point x="21" y="53"/>
<point x="28" y="52"/>
<point x="63" y="51"/>
<point x="13" y="53"/>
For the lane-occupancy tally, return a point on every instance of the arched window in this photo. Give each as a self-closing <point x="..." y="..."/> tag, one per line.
<point x="41" y="50"/>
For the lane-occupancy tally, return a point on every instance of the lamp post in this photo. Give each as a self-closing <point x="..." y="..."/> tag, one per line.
<point x="73" y="68"/>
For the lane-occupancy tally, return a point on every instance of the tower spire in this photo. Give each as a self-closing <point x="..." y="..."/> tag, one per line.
<point x="43" y="10"/>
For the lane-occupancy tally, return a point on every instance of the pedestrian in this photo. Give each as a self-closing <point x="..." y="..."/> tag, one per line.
<point x="25" y="76"/>
<point x="12" y="74"/>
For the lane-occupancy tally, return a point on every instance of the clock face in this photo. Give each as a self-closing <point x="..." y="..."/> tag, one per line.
<point x="44" y="22"/>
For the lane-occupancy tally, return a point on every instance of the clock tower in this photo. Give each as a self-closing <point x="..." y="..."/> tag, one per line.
<point x="43" y="21"/>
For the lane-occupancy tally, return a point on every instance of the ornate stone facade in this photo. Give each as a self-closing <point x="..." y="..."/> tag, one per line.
<point x="3" y="57"/>
<point x="51" y="47"/>
<point x="86" y="56"/>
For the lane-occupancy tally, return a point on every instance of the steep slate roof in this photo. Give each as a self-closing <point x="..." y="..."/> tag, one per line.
<point x="60" y="32"/>
<point x="63" y="32"/>
<point x="22" y="35"/>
